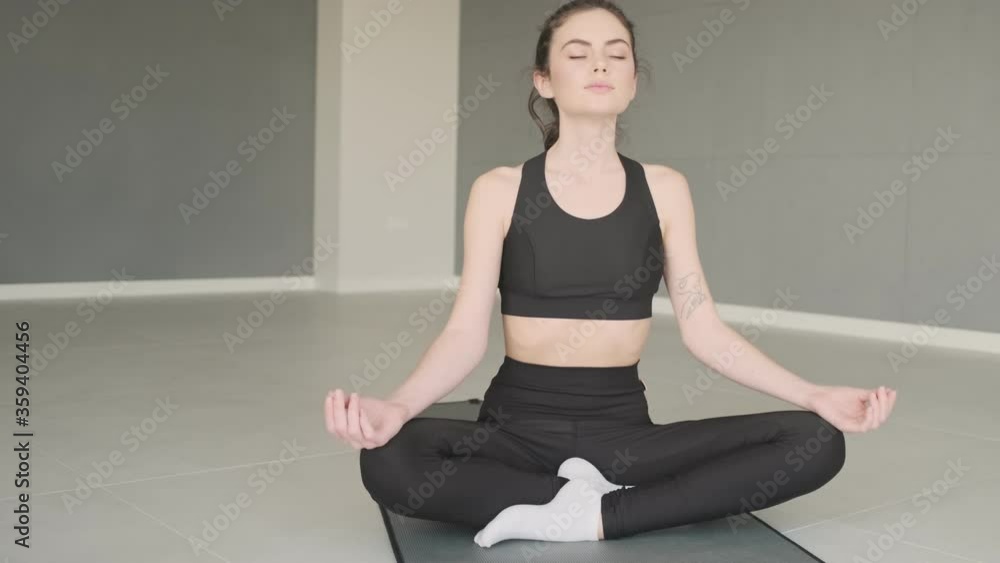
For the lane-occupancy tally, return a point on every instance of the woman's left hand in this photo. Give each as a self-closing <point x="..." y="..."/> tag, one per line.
<point x="853" y="410"/>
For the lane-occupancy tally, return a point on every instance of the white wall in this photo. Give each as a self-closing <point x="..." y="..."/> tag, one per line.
<point x="387" y="77"/>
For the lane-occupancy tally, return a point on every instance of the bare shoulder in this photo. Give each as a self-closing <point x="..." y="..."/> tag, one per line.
<point x="664" y="179"/>
<point x="501" y="178"/>
<point x="670" y="190"/>
<point x="497" y="190"/>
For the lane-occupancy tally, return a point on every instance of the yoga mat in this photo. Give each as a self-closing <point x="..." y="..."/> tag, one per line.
<point x="424" y="541"/>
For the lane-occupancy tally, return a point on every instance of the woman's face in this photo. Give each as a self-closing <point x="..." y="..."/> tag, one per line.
<point x="590" y="47"/>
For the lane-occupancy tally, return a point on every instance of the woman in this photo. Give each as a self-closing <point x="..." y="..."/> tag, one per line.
<point x="576" y="239"/>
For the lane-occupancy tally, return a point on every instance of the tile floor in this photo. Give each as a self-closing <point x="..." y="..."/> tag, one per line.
<point x="146" y="421"/>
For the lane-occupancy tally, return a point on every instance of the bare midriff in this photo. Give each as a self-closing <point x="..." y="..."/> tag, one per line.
<point x="575" y="342"/>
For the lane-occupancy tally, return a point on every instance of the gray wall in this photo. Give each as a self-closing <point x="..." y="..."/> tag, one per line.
<point x="120" y="207"/>
<point x="785" y="227"/>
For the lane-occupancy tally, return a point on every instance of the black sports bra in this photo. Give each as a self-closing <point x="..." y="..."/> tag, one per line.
<point x="558" y="265"/>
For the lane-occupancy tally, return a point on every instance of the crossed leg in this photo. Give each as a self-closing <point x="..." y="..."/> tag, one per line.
<point x="697" y="470"/>
<point x="466" y="472"/>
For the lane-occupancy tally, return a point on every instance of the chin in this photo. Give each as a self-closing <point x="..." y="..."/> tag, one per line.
<point x="594" y="105"/>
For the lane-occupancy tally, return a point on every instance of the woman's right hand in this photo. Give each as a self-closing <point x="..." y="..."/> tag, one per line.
<point x="363" y="422"/>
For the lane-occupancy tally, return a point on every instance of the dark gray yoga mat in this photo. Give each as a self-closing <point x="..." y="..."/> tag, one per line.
<point x="423" y="541"/>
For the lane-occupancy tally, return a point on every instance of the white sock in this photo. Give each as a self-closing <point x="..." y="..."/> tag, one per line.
<point x="579" y="468"/>
<point x="574" y="514"/>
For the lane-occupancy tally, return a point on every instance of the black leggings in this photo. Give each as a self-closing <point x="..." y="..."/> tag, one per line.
<point x="534" y="417"/>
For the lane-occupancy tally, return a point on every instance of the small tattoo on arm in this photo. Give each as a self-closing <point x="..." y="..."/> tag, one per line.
<point x="691" y="292"/>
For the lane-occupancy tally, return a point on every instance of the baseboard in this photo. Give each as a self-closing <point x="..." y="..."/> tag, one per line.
<point x="736" y="315"/>
<point x="400" y="284"/>
<point x="149" y="288"/>
<point x="853" y="327"/>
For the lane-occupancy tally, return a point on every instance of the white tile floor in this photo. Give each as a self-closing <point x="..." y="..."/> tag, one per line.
<point x="235" y="413"/>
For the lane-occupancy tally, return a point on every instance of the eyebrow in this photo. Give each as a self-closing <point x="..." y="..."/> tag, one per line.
<point x="588" y="44"/>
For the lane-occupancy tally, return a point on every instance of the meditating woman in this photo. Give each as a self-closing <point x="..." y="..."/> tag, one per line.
<point x="577" y="239"/>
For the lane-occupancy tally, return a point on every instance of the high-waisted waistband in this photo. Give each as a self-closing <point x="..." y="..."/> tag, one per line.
<point x="568" y="393"/>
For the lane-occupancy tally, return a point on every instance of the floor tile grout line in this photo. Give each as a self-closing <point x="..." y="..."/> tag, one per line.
<point x="886" y="504"/>
<point x="183" y="474"/>
<point x="914" y="544"/>
<point x="141" y="511"/>
<point x="946" y="431"/>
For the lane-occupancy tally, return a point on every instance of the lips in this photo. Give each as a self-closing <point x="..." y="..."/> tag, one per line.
<point x="600" y="86"/>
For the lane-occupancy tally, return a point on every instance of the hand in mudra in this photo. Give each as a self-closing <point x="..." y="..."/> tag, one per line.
<point x="363" y="422"/>
<point x="854" y="410"/>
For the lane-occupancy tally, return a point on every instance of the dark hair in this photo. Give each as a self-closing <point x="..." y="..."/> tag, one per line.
<point x="550" y="131"/>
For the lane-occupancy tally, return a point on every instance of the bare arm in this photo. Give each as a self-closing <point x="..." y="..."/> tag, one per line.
<point x="463" y="341"/>
<point x="705" y="335"/>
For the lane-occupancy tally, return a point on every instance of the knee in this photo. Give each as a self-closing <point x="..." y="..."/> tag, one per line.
<point x="819" y="446"/>
<point x="373" y="472"/>
<point x="383" y="468"/>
